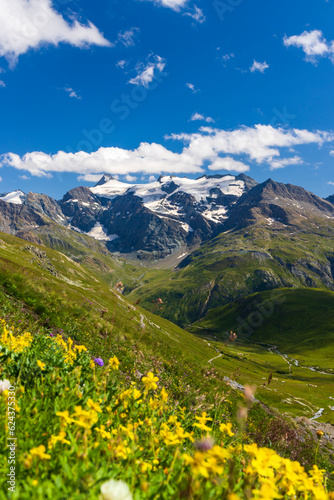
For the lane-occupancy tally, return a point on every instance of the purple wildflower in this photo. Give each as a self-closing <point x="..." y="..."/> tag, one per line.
<point x="51" y="335"/>
<point x="99" y="361"/>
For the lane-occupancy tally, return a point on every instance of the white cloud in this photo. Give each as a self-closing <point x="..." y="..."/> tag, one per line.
<point x="72" y="93"/>
<point x="121" y="64"/>
<point x="259" y="66"/>
<point x="90" y="177"/>
<point x="197" y="15"/>
<point x="151" y="178"/>
<point x="228" y="163"/>
<point x="313" y="43"/>
<point x="262" y="144"/>
<point x="24" y="177"/>
<point x="199" y="116"/>
<point x="130" y="178"/>
<point x="172" y="4"/>
<point x="2" y="83"/>
<point x="285" y="162"/>
<point x="331" y="183"/>
<point x="146" y="73"/>
<point x="147" y="158"/>
<point x="227" y="57"/>
<point x="127" y="37"/>
<point x="192" y="87"/>
<point x="29" y="24"/>
<point x="1" y="179"/>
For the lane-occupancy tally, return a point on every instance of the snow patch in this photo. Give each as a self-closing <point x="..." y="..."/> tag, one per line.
<point x="183" y="255"/>
<point x="99" y="233"/>
<point x="16" y="197"/>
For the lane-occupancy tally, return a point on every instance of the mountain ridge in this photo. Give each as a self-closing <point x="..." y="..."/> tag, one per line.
<point x="172" y="215"/>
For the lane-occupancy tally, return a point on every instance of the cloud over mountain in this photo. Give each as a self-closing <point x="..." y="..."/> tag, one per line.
<point x="211" y="147"/>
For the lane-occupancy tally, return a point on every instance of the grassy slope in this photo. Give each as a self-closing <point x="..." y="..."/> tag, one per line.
<point x="122" y="438"/>
<point x="82" y="302"/>
<point x="83" y="305"/>
<point x="300" y="322"/>
<point x="227" y="268"/>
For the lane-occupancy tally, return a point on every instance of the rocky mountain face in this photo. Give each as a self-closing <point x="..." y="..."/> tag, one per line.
<point x="330" y="199"/>
<point x="278" y="204"/>
<point x="172" y="214"/>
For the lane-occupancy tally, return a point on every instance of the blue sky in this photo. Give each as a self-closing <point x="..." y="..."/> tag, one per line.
<point x="165" y="86"/>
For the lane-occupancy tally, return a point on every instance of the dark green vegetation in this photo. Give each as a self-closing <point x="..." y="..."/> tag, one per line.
<point x="287" y="332"/>
<point x="297" y="321"/>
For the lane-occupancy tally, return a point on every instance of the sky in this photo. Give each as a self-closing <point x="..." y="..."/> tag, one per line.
<point x="140" y="88"/>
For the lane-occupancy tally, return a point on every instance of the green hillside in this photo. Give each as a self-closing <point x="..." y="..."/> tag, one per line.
<point x="286" y="332"/>
<point x="65" y="304"/>
<point x="299" y="321"/>
<point x="238" y="263"/>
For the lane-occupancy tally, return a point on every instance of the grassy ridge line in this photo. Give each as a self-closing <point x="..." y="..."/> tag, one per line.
<point x="91" y="311"/>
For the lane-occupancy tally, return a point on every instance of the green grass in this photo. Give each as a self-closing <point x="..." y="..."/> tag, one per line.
<point x="300" y="322"/>
<point x="83" y="304"/>
<point x="78" y="426"/>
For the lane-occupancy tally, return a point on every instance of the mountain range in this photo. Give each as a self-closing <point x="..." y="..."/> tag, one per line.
<point x="170" y="216"/>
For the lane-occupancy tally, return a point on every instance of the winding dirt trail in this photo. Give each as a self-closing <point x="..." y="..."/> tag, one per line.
<point x="216" y="357"/>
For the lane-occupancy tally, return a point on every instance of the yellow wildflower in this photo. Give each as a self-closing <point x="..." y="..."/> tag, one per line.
<point x="136" y="394"/>
<point x="145" y="467"/>
<point x="84" y="418"/>
<point x="150" y="381"/>
<point x="164" y="394"/>
<point x="154" y="404"/>
<point x="65" y="416"/>
<point x="94" y="406"/>
<point x="114" y="363"/>
<point x="202" y="422"/>
<point x="55" y="439"/>
<point x="268" y="490"/>
<point x="226" y="428"/>
<point x="103" y="432"/>
<point x="40" y="452"/>
<point x="41" y="364"/>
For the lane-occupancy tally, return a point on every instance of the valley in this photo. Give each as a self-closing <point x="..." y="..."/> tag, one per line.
<point x="248" y="306"/>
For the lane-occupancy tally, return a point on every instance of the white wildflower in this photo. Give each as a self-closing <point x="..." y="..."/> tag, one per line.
<point x="115" y="490"/>
<point x="4" y="385"/>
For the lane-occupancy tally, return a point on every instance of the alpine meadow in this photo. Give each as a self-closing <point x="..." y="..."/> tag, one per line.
<point x="166" y="250"/>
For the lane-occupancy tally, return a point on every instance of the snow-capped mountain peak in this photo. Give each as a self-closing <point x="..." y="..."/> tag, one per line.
<point x="16" y="197"/>
<point x="200" y="189"/>
<point x="110" y="189"/>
